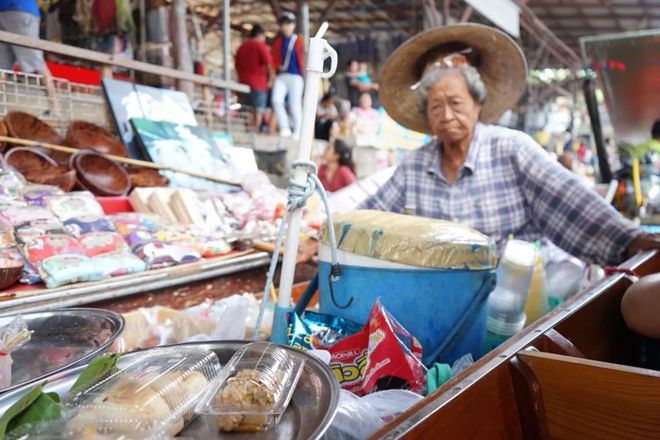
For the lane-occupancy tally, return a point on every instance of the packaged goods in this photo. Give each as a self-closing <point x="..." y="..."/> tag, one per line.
<point x="118" y="263"/>
<point x="97" y="243"/>
<point x="383" y="355"/>
<point x="35" y="194"/>
<point x="28" y="231"/>
<point x="128" y="222"/>
<point x="151" y="396"/>
<point x="254" y="389"/>
<point x="78" y="226"/>
<point x="74" y="204"/>
<point x="13" y="215"/>
<point x="157" y="254"/>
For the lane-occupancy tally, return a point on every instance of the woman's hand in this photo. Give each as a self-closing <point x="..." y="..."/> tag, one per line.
<point x="644" y="242"/>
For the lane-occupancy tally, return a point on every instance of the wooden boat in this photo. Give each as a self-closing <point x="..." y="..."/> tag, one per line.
<point x="570" y="375"/>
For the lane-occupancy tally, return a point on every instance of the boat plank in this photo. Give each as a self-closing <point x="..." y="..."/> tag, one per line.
<point x="596" y="400"/>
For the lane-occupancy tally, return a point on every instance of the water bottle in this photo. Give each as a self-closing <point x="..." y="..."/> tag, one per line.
<point x="506" y="305"/>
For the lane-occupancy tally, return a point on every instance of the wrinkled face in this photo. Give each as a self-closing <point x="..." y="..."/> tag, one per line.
<point x="366" y="101"/>
<point x="451" y="110"/>
<point x="287" y="28"/>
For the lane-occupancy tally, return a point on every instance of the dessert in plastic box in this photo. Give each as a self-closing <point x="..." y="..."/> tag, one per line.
<point x="149" y="395"/>
<point x="75" y="204"/>
<point x="82" y="225"/>
<point x="28" y="231"/>
<point x="254" y="389"/>
<point x="35" y="194"/>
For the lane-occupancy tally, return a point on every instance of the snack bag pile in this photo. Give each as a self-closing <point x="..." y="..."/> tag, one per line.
<point x="380" y="356"/>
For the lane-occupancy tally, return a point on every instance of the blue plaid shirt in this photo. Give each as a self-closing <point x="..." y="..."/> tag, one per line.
<point x="509" y="186"/>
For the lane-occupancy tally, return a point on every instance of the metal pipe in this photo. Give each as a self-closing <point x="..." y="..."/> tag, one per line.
<point x="226" y="49"/>
<point x="304" y="16"/>
<point x="589" y="88"/>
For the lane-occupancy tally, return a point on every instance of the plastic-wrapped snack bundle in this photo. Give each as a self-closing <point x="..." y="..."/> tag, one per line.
<point x="254" y="389"/>
<point x="13" y="215"/>
<point x="35" y="194"/>
<point x="148" y="396"/>
<point x="60" y="260"/>
<point x="78" y="226"/>
<point x="157" y="254"/>
<point x="28" y="231"/>
<point x="110" y="254"/>
<point x="126" y="223"/>
<point x="239" y="204"/>
<point x="75" y="204"/>
<point x="11" y="182"/>
<point x="97" y="243"/>
<point x="12" y="336"/>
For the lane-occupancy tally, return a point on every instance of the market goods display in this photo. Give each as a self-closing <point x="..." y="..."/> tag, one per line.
<point x="100" y="175"/>
<point x="162" y="393"/>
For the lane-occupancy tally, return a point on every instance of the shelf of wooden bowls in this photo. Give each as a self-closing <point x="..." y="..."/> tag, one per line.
<point x="100" y="175"/>
<point x="146" y="178"/>
<point x="26" y="126"/>
<point x="37" y="167"/>
<point x="87" y="136"/>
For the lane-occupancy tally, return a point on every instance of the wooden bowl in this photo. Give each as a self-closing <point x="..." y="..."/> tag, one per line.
<point x="26" y="126"/>
<point x="61" y="176"/>
<point x="145" y="178"/>
<point x="26" y="159"/>
<point x="103" y="176"/>
<point x="87" y="136"/>
<point x="10" y="272"/>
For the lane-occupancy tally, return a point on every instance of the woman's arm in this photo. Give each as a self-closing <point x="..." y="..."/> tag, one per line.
<point x="574" y="217"/>
<point x="391" y="196"/>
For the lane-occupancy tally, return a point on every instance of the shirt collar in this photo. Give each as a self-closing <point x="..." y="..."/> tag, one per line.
<point x="470" y="161"/>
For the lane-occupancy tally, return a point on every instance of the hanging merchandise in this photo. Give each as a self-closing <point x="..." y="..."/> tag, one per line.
<point x="103" y="13"/>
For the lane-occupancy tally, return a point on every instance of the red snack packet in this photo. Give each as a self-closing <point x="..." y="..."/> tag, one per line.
<point x="383" y="355"/>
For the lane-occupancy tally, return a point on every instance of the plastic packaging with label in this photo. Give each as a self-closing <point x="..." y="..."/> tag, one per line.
<point x="254" y="389"/>
<point x="150" y="396"/>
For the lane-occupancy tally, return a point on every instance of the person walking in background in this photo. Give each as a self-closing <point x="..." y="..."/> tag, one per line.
<point x="338" y="171"/>
<point x="254" y="67"/>
<point x="289" y="82"/>
<point x="23" y="17"/>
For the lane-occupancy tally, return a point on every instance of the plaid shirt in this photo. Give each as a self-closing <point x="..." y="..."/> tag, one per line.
<point x="509" y="186"/>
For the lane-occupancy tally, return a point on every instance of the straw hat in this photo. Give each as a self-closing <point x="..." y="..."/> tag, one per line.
<point x="496" y="56"/>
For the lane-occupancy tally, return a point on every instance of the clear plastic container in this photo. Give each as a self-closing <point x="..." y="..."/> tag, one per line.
<point x="150" y="395"/>
<point x="514" y="275"/>
<point x="254" y="389"/>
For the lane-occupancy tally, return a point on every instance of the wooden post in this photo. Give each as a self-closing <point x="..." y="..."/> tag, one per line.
<point x="182" y="55"/>
<point x="208" y="99"/>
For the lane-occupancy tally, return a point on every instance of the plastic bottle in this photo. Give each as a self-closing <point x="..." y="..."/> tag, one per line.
<point x="537" y="298"/>
<point x="506" y="305"/>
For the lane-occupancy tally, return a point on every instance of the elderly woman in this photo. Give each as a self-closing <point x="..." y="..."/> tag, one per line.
<point x="451" y="82"/>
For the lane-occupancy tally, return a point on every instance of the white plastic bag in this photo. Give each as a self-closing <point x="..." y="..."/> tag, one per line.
<point x="359" y="417"/>
<point x="12" y="337"/>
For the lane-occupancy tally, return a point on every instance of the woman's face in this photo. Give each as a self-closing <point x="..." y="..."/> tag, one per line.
<point x="451" y="110"/>
<point x="330" y="155"/>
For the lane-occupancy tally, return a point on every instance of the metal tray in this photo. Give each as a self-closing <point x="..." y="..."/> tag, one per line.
<point x="61" y="339"/>
<point x="308" y="416"/>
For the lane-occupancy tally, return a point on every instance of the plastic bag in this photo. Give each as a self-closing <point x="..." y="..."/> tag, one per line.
<point x="12" y="336"/>
<point x="359" y="417"/>
<point x="229" y="314"/>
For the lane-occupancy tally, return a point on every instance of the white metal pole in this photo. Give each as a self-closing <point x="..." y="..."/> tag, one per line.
<point x="319" y="50"/>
